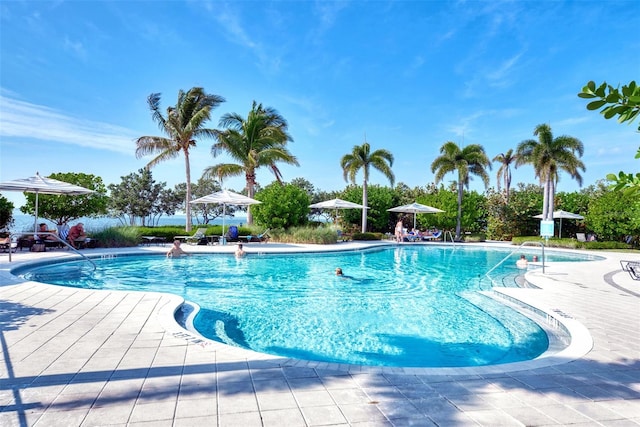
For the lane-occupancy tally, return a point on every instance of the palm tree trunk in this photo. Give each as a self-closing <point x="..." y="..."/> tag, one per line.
<point x="545" y="201"/>
<point x="250" y="177"/>
<point x="364" y="204"/>
<point x="459" y="221"/>
<point x="187" y="200"/>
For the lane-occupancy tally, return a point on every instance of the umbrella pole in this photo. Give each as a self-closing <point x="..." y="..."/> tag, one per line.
<point x="224" y="214"/>
<point x="560" y="230"/>
<point x="35" y="220"/>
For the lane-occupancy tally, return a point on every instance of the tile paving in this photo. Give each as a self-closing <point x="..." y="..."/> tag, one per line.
<point x="73" y="357"/>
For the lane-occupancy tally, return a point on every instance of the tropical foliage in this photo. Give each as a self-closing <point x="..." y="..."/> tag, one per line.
<point x="614" y="216"/>
<point x="62" y="209"/>
<point x="503" y="175"/>
<point x="283" y="206"/>
<point x="259" y="140"/>
<point x="361" y="158"/>
<point x="6" y="213"/>
<point x="623" y="103"/>
<point x="183" y="125"/>
<point x="379" y="199"/>
<point x="468" y="161"/>
<point x="549" y="156"/>
<point x="507" y="220"/>
<point x="139" y="199"/>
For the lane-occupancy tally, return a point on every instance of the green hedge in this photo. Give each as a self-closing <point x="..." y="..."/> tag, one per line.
<point x="570" y="243"/>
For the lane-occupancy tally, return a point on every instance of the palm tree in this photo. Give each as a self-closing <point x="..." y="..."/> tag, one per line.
<point x="259" y="140"/>
<point x="182" y="125"/>
<point x="362" y="158"/>
<point x="471" y="160"/>
<point x="548" y="156"/>
<point x="504" y="172"/>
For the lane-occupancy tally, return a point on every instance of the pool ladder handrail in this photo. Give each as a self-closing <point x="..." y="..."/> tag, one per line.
<point x="61" y="241"/>
<point x="444" y="237"/>
<point x="514" y="251"/>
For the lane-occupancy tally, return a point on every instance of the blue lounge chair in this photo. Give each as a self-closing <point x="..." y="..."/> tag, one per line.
<point x="432" y="236"/>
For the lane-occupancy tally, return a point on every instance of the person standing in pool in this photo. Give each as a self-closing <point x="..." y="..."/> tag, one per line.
<point x="176" y="251"/>
<point x="522" y="263"/>
<point x="239" y="251"/>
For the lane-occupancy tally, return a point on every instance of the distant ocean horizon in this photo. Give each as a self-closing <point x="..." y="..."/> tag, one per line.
<point x="23" y="223"/>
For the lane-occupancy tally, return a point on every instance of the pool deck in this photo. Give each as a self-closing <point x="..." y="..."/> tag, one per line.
<point x="74" y="357"/>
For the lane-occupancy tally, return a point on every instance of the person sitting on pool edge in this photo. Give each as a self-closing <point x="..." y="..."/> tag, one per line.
<point x="176" y="251"/>
<point x="239" y="251"/>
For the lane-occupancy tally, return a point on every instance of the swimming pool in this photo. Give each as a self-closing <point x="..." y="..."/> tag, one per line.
<point x="409" y="306"/>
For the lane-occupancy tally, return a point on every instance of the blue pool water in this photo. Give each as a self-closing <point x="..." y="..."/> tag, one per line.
<point x="410" y="306"/>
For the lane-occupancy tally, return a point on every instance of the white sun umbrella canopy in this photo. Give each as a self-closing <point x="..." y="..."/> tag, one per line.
<point x="415" y="208"/>
<point x="337" y="204"/>
<point x="42" y="185"/>
<point x="560" y="214"/>
<point x="225" y="198"/>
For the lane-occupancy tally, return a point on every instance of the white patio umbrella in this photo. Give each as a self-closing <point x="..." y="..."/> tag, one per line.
<point x="560" y="214"/>
<point x="42" y="185"/>
<point x="337" y="204"/>
<point x="225" y="198"/>
<point x="415" y="208"/>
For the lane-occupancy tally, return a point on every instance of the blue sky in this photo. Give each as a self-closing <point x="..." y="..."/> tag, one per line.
<point x="407" y="75"/>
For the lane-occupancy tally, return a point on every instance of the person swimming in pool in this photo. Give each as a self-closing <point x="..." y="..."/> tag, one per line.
<point x="339" y="273"/>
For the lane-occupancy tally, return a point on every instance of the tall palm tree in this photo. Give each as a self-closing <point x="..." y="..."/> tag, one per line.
<point x="183" y="124"/>
<point x="504" y="172"/>
<point x="548" y="156"/>
<point x="471" y="160"/>
<point x="362" y="158"/>
<point x="259" y="140"/>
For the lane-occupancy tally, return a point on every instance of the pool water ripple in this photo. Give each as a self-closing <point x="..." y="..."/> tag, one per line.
<point x="406" y="306"/>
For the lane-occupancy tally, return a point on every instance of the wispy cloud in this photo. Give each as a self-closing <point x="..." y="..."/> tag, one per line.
<point x="75" y="47"/>
<point x="22" y="119"/>
<point x="230" y="21"/>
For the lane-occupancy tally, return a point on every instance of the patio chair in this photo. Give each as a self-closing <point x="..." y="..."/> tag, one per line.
<point x="631" y="267"/>
<point x="260" y="238"/>
<point x="432" y="236"/>
<point x="6" y="244"/>
<point x="581" y="237"/>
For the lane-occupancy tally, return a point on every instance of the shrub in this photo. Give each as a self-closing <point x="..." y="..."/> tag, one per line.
<point x="117" y="237"/>
<point x="474" y="237"/>
<point x="315" y="235"/>
<point x="568" y="243"/>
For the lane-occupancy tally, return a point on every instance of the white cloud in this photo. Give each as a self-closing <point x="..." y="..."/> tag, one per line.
<point x="20" y="119"/>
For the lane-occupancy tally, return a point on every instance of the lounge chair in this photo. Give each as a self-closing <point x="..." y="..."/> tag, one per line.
<point x="6" y="244"/>
<point x="195" y="238"/>
<point x="632" y="267"/>
<point x="581" y="237"/>
<point x="432" y="236"/>
<point x="260" y="238"/>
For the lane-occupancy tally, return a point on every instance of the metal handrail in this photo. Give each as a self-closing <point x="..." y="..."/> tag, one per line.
<point x="64" y="243"/>
<point x="514" y="251"/>
<point x="444" y="238"/>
